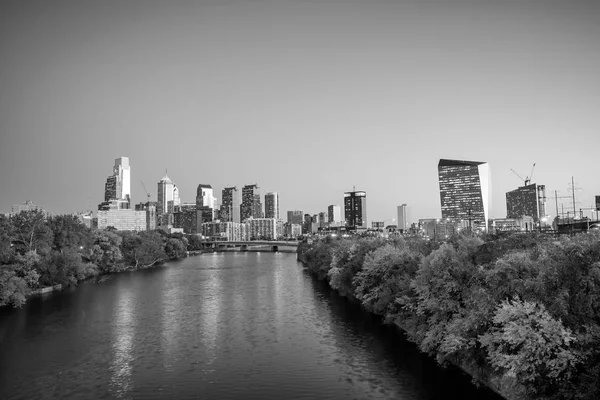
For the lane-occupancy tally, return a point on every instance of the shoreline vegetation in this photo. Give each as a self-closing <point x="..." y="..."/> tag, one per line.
<point x="519" y="312"/>
<point x="39" y="254"/>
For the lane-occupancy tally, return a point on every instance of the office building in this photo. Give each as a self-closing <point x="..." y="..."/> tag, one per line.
<point x="118" y="185"/>
<point x="529" y="200"/>
<point x="205" y="203"/>
<point x="402" y="220"/>
<point x="150" y="209"/>
<point x="230" y="205"/>
<point x="166" y="191"/>
<point x="122" y="219"/>
<point x="251" y="206"/>
<point x="272" y="205"/>
<point x="295" y="217"/>
<point x="264" y="228"/>
<point x="184" y="217"/>
<point x="465" y="191"/>
<point x="355" y="209"/>
<point x="334" y="214"/>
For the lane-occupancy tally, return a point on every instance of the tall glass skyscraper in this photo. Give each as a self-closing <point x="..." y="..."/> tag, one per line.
<point x="272" y="205"/>
<point x="230" y="204"/>
<point x="465" y="190"/>
<point x="118" y="185"/>
<point x="165" y="195"/>
<point x="251" y="205"/>
<point x="355" y="209"/>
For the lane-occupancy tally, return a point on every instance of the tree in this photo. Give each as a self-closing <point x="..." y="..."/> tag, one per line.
<point x="106" y="251"/>
<point x="527" y="343"/>
<point x="386" y="275"/>
<point x="68" y="231"/>
<point x="448" y="287"/>
<point x="144" y="249"/>
<point x="175" y="248"/>
<point x="6" y="236"/>
<point x="31" y="230"/>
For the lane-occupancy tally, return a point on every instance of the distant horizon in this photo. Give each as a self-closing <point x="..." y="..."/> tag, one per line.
<point x="283" y="214"/>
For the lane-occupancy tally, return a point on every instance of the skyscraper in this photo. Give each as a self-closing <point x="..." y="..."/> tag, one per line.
<point x="118" y="185"/>
<point x="165" y="195"/>
<point x="355" y="209"/>
<point x="529" y="200"/>
<point x="251" y="206"/>
<point x="272" y="205"/>
<point x="334" y="214"/>
<point x="230" y="204"/>
<point x="464" y="190"/>
<point x="205" y="202"/>
<point x="402" y="221"/>
<point x="295" y="217"/>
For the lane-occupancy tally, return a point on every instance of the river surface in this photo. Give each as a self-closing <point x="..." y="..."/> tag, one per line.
<point x="216" y="326"/>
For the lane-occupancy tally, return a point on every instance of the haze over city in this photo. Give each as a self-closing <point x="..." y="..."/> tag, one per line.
<point x="309" y="99"/>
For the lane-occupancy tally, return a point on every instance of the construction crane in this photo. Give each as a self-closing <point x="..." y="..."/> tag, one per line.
<point x="145" y="190"/>
<point x="527" y="179"/>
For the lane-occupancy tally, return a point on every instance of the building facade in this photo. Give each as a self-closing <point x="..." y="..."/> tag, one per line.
<point x="150" y="209"/>
<point x="295" y="217"/>
<point x="264" y="228"/>
<point x="402" y="219"/>
<point x="251" y="206"/>
<point x="529" y="200"/>
<point x="165" y="196"/>
<point x="272" y="205"/>
<point x="184" y="217"/>
<point x="465" y="190"/>
<point x="118" y="185"/>
<point x="334" y="214"/>
<point x="122" y="219"/>
<point x="355" y="209"/>
<point x="230" y="205"/>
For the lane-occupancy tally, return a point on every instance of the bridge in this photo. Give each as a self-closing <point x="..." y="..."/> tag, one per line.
<point x="253" y="245"/>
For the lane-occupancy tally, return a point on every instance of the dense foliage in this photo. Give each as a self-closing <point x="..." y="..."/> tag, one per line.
<point x="38" y="251"/>
<point x="517" y="308"/>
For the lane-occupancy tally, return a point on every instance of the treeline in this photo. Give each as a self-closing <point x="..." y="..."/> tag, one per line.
<point x="519" y="311"/>
<point x="38" y="251"/>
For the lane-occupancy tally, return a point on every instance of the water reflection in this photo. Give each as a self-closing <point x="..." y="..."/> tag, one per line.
<point x="210" y="308"/>
<point x="122" y="345"/>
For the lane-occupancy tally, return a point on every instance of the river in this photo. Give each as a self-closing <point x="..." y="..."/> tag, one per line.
<point x="216" y="326"/>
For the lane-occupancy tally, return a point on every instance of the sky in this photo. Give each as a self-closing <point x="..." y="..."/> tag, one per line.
<point x="304" y="97"/>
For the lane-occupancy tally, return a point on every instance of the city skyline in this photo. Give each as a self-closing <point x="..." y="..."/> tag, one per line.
<point x="399" y="86"/>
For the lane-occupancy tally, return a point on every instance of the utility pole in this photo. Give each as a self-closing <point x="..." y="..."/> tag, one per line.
<point x="573" y="190"/>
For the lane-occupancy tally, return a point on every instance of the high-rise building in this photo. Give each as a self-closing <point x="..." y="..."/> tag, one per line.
<point x="529" y="200"/>
<point x="272" y="205"/>
<point x="264" y="228"/>
<point x="295" y="217"/>
<point x="402" y="220"/>
<point x="465" y="190"/>
<point x="205" y="202"/>
<point x="355" y="209"/>
<point x="184" y="217"/>
<point x="334" y="214"/>
<point x="165" y="195"/>
<point x="150" y="209"/>
<point x="251" y="206"/>
<point x="230" y="205"/>
<point x="121" y="218"/>
<point x="118" y="185"/>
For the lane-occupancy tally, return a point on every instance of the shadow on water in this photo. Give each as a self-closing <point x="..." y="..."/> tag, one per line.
<point x="435" y="381"/>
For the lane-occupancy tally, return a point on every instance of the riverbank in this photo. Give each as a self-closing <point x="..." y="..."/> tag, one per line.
<point x="501" y="384"/>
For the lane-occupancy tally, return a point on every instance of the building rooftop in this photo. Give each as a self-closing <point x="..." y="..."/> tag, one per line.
<point x="451" y="163"/>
